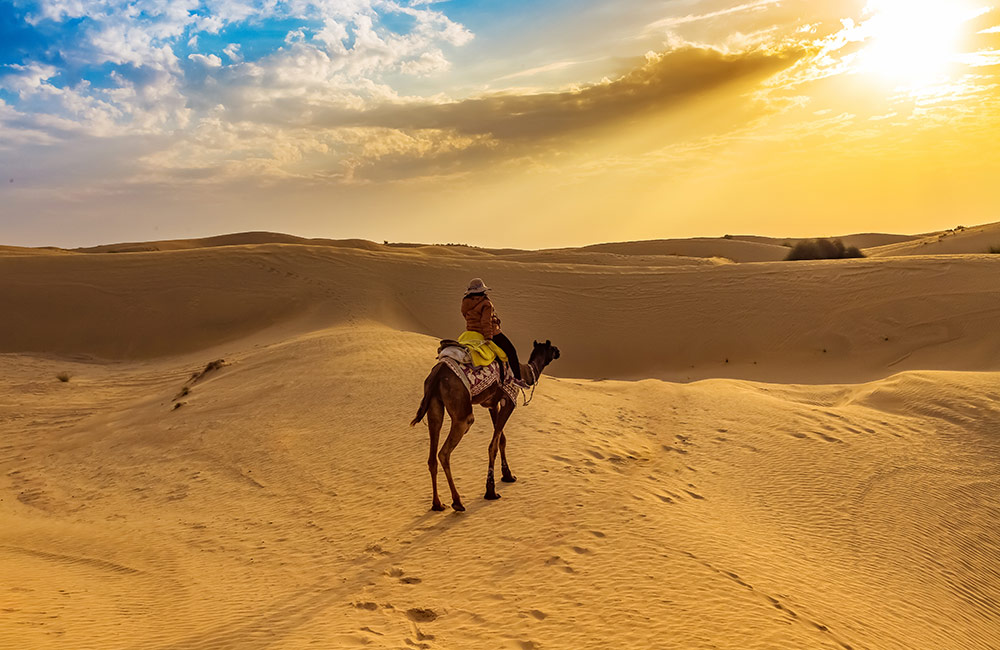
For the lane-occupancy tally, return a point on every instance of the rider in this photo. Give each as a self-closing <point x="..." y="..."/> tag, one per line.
<point x="480" y="316"/>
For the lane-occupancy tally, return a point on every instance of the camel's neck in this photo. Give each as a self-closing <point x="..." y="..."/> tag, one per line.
<point x="536" y="370"/>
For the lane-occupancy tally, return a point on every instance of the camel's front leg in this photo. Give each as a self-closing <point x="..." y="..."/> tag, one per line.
<point x="503" y="412"/>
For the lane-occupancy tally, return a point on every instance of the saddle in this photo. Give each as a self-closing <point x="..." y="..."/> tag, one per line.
<point x="466" y="362"/>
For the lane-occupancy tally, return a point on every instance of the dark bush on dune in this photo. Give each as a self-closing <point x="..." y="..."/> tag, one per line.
<point x="823" y="249"/>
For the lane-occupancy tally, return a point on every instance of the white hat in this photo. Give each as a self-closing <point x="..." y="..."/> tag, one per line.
<point x="476" y="285"/>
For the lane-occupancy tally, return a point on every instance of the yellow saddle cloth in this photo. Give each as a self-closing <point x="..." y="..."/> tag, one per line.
<point x="483" y="352"/>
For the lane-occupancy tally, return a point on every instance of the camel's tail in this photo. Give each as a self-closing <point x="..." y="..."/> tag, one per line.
<point x="429" y="385"/>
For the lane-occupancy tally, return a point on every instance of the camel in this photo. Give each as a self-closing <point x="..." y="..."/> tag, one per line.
<point x="444" y="391"/>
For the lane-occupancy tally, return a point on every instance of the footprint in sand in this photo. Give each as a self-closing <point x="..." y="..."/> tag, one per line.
<point x="560" y="564"/>
<point x="397" y="572"/>
<point x="522" y="645"/>
<point x="421" y="615"/>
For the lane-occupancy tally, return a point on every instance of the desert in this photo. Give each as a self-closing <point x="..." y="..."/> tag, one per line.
<point x="727" y="454"/>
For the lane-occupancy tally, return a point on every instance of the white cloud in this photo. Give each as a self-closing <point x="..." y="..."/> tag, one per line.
<point x="210" y="61"/>
<point x="675" y="21"/>
<point x="233" y="52"/>
<point x="26" y="79"/>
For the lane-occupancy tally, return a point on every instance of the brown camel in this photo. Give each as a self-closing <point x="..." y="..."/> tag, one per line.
<point x="443" y="390"/>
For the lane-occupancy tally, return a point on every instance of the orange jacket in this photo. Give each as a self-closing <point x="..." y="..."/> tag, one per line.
<point x="480" y="316"/>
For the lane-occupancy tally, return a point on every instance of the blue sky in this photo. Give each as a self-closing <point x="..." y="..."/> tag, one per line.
<point x="124" y="119"/>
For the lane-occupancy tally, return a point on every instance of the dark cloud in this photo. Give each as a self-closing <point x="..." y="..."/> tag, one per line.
<point x="663" y="82"/>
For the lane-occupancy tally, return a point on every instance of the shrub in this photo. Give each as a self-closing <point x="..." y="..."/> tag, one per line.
<point x="823" y="249"/>
<point x="994" y="250"/>
<point x="63" y="377"/>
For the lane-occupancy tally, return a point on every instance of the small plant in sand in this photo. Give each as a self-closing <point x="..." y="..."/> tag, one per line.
<point x="994" y="250"/>
<point x="63" y="377"/>
<point x="823" y="249"/>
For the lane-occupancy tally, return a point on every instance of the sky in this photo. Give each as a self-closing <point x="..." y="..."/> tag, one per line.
<point x="495" y="122"/>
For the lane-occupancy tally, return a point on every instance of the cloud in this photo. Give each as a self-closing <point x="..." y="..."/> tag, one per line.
<point x="233" y="52"/>
<point x="664" y="81"/>
<point x="395" y="139"/>
<point x="210" y="61"/>
<point x="25" y="79"/>
<point x="338" y="51"/>
<point x="676" y="21"/>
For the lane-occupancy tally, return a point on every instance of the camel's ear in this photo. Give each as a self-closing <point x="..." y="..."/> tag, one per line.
<point x="535" y="343"/>
<point x="548" y="342"/>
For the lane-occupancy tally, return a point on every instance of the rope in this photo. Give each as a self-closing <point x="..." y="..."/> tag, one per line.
<point x="534" y="382"/>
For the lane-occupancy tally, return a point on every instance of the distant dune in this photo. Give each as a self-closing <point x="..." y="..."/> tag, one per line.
<point x="658" y="252"/>
<point x="976" y="240"/>
<point x="732" y="455"/>
<point x="20" y="250"/>
<point x="808" y="322"/>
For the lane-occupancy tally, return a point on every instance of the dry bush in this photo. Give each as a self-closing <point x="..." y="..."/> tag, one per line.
<point x="823" y="249"/>
<point x="63" y="377"/>
<point x="994" y="250"/>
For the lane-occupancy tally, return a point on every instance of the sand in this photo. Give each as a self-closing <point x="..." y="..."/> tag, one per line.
<point x="834" y="485"/>
<point x="967" y="240"/>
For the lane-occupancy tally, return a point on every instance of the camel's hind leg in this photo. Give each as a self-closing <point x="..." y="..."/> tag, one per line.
<point x="461" y="419"/>
<point x="507" y="476"/>
<point x="435" y="418"/>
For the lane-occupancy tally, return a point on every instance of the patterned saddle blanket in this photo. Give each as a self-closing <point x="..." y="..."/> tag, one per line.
<point x="478" y="378"/>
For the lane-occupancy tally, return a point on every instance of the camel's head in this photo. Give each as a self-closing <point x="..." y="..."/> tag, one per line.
<point x="546" y="353"/>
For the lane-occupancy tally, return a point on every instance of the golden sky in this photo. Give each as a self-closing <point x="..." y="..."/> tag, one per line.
<point x="518" y="124"/>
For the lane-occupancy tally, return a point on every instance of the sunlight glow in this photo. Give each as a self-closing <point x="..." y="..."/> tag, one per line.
<point x="914" y="42"/>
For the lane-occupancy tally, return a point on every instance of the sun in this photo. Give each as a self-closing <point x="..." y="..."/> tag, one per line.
<point x="915" y="42"/>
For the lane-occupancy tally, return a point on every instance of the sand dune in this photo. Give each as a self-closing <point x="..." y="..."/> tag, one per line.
<point x="283" y="503"/>
<point x="21" y="250"/>
<point x="806" y="322"/>
<point x="860" y="240"/>
<point x="977" y="240"/>
<point x="733" y="249"/>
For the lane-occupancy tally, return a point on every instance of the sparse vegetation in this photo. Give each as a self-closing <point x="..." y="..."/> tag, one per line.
<point x="823" y="249"/>
<point x="213" y="365"/>
<point x="63" y="377"/>
<point x="994" y="250"/>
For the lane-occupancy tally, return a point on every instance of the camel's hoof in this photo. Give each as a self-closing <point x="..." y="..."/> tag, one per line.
<point x="458" y="506"/>
<point x="491" y="496"/>
<point x="510" y="478"/>
<point x="437" y="507"/>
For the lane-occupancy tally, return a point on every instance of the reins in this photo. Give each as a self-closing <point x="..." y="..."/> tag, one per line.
<point x="534" y="382"/>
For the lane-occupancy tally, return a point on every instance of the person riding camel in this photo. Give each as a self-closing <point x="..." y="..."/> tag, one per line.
<point x="480" y="316"/>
